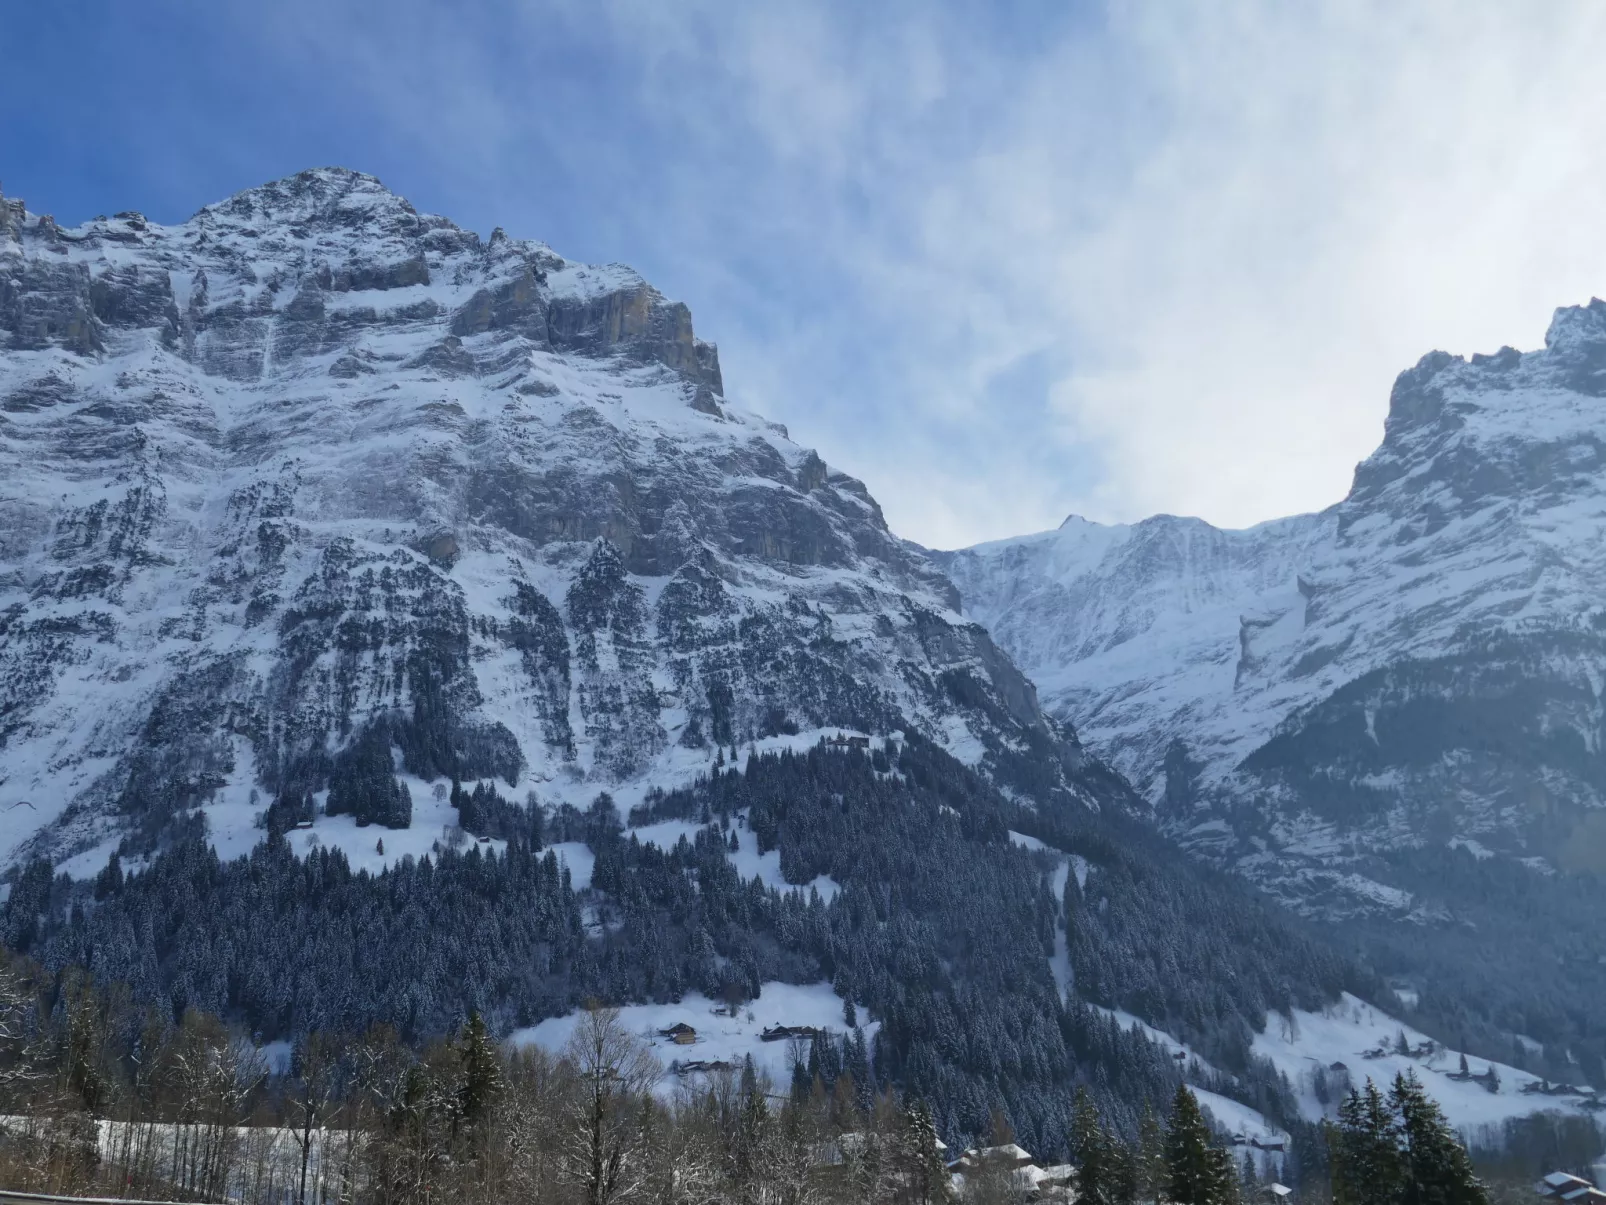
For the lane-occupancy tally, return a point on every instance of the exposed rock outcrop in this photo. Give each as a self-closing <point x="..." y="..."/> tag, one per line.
<point x="313" y="475"/>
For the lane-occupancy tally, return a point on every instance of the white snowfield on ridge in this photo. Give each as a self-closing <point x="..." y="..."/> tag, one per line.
<point x="1482" y="515"/>
<point x="1219" y="633"/>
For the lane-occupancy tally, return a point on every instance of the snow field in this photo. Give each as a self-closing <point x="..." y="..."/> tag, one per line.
<point x="719" y="1037"/>
<point x="766" y="868"/>
<point x="1238" y="1120"/>
<point x="1346" y="1031"/>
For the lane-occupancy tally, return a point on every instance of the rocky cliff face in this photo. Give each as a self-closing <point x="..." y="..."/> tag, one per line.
<point x="313" y="475"/>
<point x="1418" y="667"/>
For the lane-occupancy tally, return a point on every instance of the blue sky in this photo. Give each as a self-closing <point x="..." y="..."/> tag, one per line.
<point x="1004" y="261"/>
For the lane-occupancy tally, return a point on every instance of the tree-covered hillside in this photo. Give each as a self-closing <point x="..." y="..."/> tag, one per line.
<point x="943" y="926"/>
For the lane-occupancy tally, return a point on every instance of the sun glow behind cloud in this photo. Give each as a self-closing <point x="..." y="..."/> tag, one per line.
<point x="1003" y="262"/>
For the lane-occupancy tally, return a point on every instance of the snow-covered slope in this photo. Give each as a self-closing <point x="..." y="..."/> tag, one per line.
<point x="721" y="1037"/>
<point x="1325" y="1053"/>
<point x="314" y="479"/>
<point x="1129" y="624"/>
<point x="1420" y="664"/>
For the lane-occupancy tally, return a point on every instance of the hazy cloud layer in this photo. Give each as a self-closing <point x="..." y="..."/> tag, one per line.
<point x="1003" y="262"/>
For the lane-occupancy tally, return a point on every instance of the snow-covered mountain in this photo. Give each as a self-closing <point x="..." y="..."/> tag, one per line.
<point x="317" y="489"/>
<point x="1419" y="666"/>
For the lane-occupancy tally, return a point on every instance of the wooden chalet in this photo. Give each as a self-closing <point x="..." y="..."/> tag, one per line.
<point x="1010" y="1156"/>
<point x="843" y="741"/>
<point x="779" y="1033"/>
<point x="679" y="1033"/>
<point x="1269" y="1142"/>
<point x="1575" y="1190"/>
<point x="1026" y="1181"/>
<point x="1546" y="1088"/>
<point x="703" y="1066"/>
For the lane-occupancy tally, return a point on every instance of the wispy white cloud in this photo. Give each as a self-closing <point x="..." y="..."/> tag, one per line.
<point x="1327" y="198"/>
<point x="1009" y="263"/>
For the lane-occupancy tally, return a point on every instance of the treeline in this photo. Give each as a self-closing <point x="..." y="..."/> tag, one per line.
<point x="1384" y="1149"/>
<point x="101" y="1096"/>
<point x="942" y="926"/>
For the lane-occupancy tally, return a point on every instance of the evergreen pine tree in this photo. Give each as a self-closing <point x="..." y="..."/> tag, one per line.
<point x="1121" y="1170"/>
<point x="110" y="879"/>
<point x="753" y="1129"/>
<point x="924" y="1172"/>
<point x="482" y="1073"/>
<point x="1368" y="1168"/>
<point x="1149" y="1167"/>
<point x="1438" y="1170"/>
<point x="802" y="1080"/>
<point x="1089" y="1147"/>
<point x="1196" y="1172"/>
<point x="537" y="822"/>
<point x="858" y="1066"/>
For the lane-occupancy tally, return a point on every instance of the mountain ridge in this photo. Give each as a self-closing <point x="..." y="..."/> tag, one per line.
<point x="312" y="463"/>
<point x="1386" y="714"/>
<point x="336" y="528"/>
<point x="1459" y="484"/>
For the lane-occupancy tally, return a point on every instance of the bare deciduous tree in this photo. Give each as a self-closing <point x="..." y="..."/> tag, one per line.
<point x="317" y="1070"/>
<point x="603" y="1140"/>
<point x="19" y="1045"/>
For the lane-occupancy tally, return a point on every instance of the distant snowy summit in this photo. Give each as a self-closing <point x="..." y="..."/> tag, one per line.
<point x="314" y="491"/>
<point x="1419" y="665"/>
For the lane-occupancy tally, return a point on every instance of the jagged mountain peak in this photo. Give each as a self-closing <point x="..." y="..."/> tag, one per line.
<point x="1577" y="326"/>
<point x="317" y="193"/>
<point x="1463" y="435"/>
<point x="1443" y="386"/>
<point x="334" y="206"/>
<point x="1418" y="663"/>
<point x="312" y="475"/>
